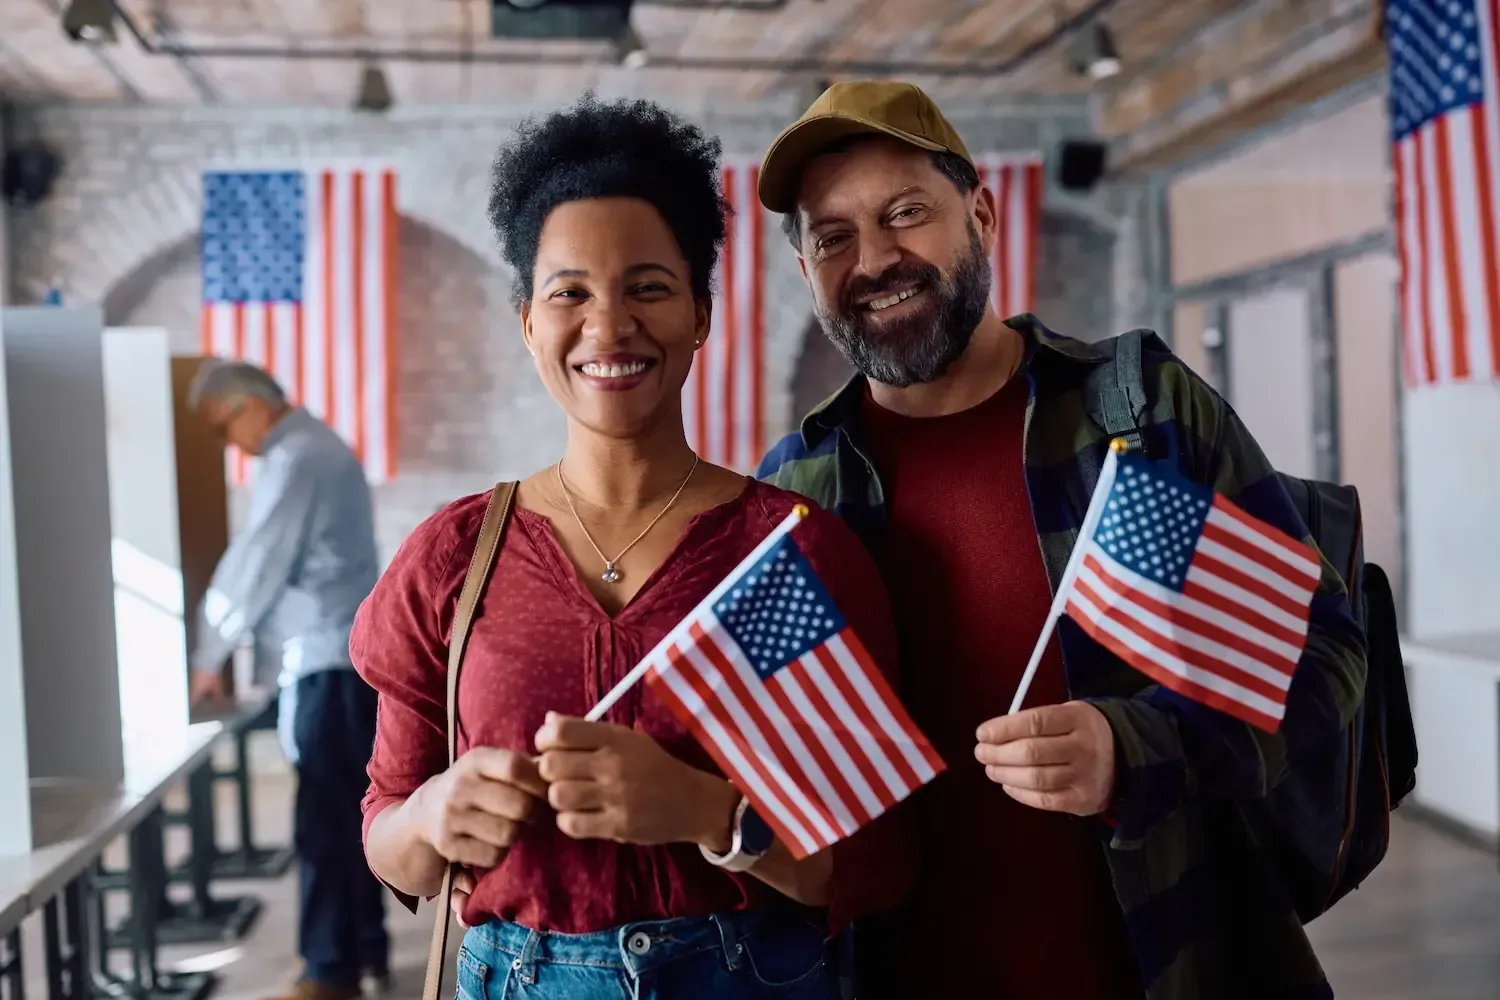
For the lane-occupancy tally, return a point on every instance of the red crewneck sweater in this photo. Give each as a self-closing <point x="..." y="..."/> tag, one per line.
<point x="1012" y="902"/>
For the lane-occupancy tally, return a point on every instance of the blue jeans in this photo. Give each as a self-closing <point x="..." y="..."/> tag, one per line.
<point x="760" y="955"/>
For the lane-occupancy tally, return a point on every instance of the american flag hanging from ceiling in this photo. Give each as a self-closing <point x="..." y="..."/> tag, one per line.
<point x="299" y="277"/>
<point x="723" y="402"/>
<point x="1446" y="137"/>
<point x="1016" y="183"/>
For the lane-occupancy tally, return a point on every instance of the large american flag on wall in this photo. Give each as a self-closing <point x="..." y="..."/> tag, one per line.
<point x="723" y="402"/>
<point x="1016" y="183"/>
<point x="1446" y="134"/>
<point x="299" y="277"/>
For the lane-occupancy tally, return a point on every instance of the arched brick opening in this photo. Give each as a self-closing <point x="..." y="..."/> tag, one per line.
<point x="133" y="292"/>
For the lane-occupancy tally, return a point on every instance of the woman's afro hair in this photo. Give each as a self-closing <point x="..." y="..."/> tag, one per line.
<point x="633" y="149"/>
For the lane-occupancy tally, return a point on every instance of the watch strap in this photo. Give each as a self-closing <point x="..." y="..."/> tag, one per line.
<point x="737" y="859"/>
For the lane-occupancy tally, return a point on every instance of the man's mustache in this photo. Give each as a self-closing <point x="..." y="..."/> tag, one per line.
<point x="863" y="286"/>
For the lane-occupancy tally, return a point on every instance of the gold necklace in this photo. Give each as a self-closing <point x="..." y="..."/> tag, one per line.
<point x="612" y="572"/>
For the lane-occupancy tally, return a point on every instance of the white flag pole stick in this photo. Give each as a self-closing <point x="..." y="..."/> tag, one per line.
<point x="679" y="633"/>
<point x="1070" y="573"/>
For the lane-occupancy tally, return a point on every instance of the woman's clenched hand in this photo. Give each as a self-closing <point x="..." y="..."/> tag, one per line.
<point x="611" y="782"/>
<point x="471" y="812"/>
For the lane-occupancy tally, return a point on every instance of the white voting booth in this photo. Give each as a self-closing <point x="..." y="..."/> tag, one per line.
<point x="92" y="632"/>
<point x="145" y="546"/>
<point x="1452" y="643"/>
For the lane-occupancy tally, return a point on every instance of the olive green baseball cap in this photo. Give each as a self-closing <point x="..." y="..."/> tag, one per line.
<point x="855" y="107"/>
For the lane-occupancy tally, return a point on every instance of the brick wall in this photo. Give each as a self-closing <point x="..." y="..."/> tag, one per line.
<point x="121" y="229"/>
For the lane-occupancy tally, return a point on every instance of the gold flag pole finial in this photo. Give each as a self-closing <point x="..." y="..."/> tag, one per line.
<point x="1119" y="446"/>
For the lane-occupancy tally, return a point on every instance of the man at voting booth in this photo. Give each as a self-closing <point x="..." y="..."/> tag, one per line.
<point x="292" y="578"/>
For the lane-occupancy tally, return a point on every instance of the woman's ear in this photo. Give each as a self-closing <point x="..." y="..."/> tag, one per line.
<point x="526" y="328"/>
<point x="703" y="318"/>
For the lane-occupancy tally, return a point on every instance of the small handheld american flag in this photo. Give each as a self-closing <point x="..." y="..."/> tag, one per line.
<point x="1190" y="590"/>
<point x="779" y="690"/>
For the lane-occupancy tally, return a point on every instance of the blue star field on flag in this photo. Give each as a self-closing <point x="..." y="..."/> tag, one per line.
<point x="1435" y="60"/>
<point x="253" y="236"/>
<point x="779" y="611"/>
<point x="1152" y="522"/>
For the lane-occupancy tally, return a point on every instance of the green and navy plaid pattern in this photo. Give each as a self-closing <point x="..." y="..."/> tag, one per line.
<point x="1195" y="873"/>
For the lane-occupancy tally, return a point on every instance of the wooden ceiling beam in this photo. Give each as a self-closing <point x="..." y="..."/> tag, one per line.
<point x="1291" y="52"/>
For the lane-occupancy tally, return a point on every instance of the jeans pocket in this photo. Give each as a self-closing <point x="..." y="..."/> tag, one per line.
<point x="791" y="956"/>
<point x="477" y="980"/>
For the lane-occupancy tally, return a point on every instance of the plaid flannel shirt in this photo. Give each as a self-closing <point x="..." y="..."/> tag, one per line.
<point x="1194" y="874"/>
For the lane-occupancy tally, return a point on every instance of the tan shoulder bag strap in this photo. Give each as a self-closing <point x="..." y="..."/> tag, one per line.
<point x="496" y="515"/>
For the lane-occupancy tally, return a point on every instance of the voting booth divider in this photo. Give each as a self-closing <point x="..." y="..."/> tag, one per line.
<point x="1451" y="641"/>
<point x="69" y="743"/>
<point x="113" y="513"/>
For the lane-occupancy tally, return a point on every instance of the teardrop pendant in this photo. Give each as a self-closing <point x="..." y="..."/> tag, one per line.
<point x="610" y="575"/>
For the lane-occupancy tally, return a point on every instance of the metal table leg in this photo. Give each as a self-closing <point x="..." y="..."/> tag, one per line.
<point x="148" y="880"/>
<point x="67" y="948"/>
<point x="248" y="861"/>
<point x="148" y="866"/>
<point x="203" y="918"/>
<point x="12" y="975"/>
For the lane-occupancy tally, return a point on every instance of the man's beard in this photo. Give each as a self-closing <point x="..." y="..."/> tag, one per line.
<point x="920" y="347"/>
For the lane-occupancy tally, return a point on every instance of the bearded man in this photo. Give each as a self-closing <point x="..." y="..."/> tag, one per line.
<point x="1098" y="844"/>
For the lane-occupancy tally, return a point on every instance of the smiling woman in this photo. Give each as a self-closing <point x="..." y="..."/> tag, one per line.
<point x="605" y="859"/>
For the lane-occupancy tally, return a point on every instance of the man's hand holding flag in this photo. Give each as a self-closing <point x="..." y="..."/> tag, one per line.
<point x="1185" y="587"/>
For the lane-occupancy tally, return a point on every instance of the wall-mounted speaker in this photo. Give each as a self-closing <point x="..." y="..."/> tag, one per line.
<point x="1080" y="164"/>
<point x="27" y="174"/>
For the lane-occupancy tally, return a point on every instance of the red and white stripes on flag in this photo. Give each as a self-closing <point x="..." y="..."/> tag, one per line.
<point x="1445" y="122"/>
<point x="723" y="402"/>
<point x="1193" y="592"/>
<point x="1016" y="183"/>
<point x="779" y="690"/>
<point x="300" y="278"/>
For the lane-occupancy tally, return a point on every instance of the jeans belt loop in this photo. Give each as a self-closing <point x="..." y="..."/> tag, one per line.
<point x="734" y="951"/>
<point x="525" y="965"/>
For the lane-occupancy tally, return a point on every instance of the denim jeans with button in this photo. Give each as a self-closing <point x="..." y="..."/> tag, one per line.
<point x="736" y="956"/>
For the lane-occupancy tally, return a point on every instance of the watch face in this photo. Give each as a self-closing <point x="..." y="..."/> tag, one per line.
<point x="756" y="836"/>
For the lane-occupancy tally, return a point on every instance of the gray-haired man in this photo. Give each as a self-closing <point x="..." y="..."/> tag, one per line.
<point x="293" y="577"/>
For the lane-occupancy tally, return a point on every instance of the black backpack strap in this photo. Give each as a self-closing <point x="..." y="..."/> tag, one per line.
<point x="1115" y="391"/>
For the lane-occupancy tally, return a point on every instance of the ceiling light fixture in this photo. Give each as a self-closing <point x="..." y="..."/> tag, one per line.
<point x="374" y="90"/>
<point x="90" y="20"/>
<point x="1094" y="52"/>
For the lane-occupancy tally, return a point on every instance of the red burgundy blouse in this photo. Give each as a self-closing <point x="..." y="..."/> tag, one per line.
<point x="540" y="642"/>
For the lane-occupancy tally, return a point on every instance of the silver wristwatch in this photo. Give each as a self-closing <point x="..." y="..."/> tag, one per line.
<point x="751" y="839"/>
